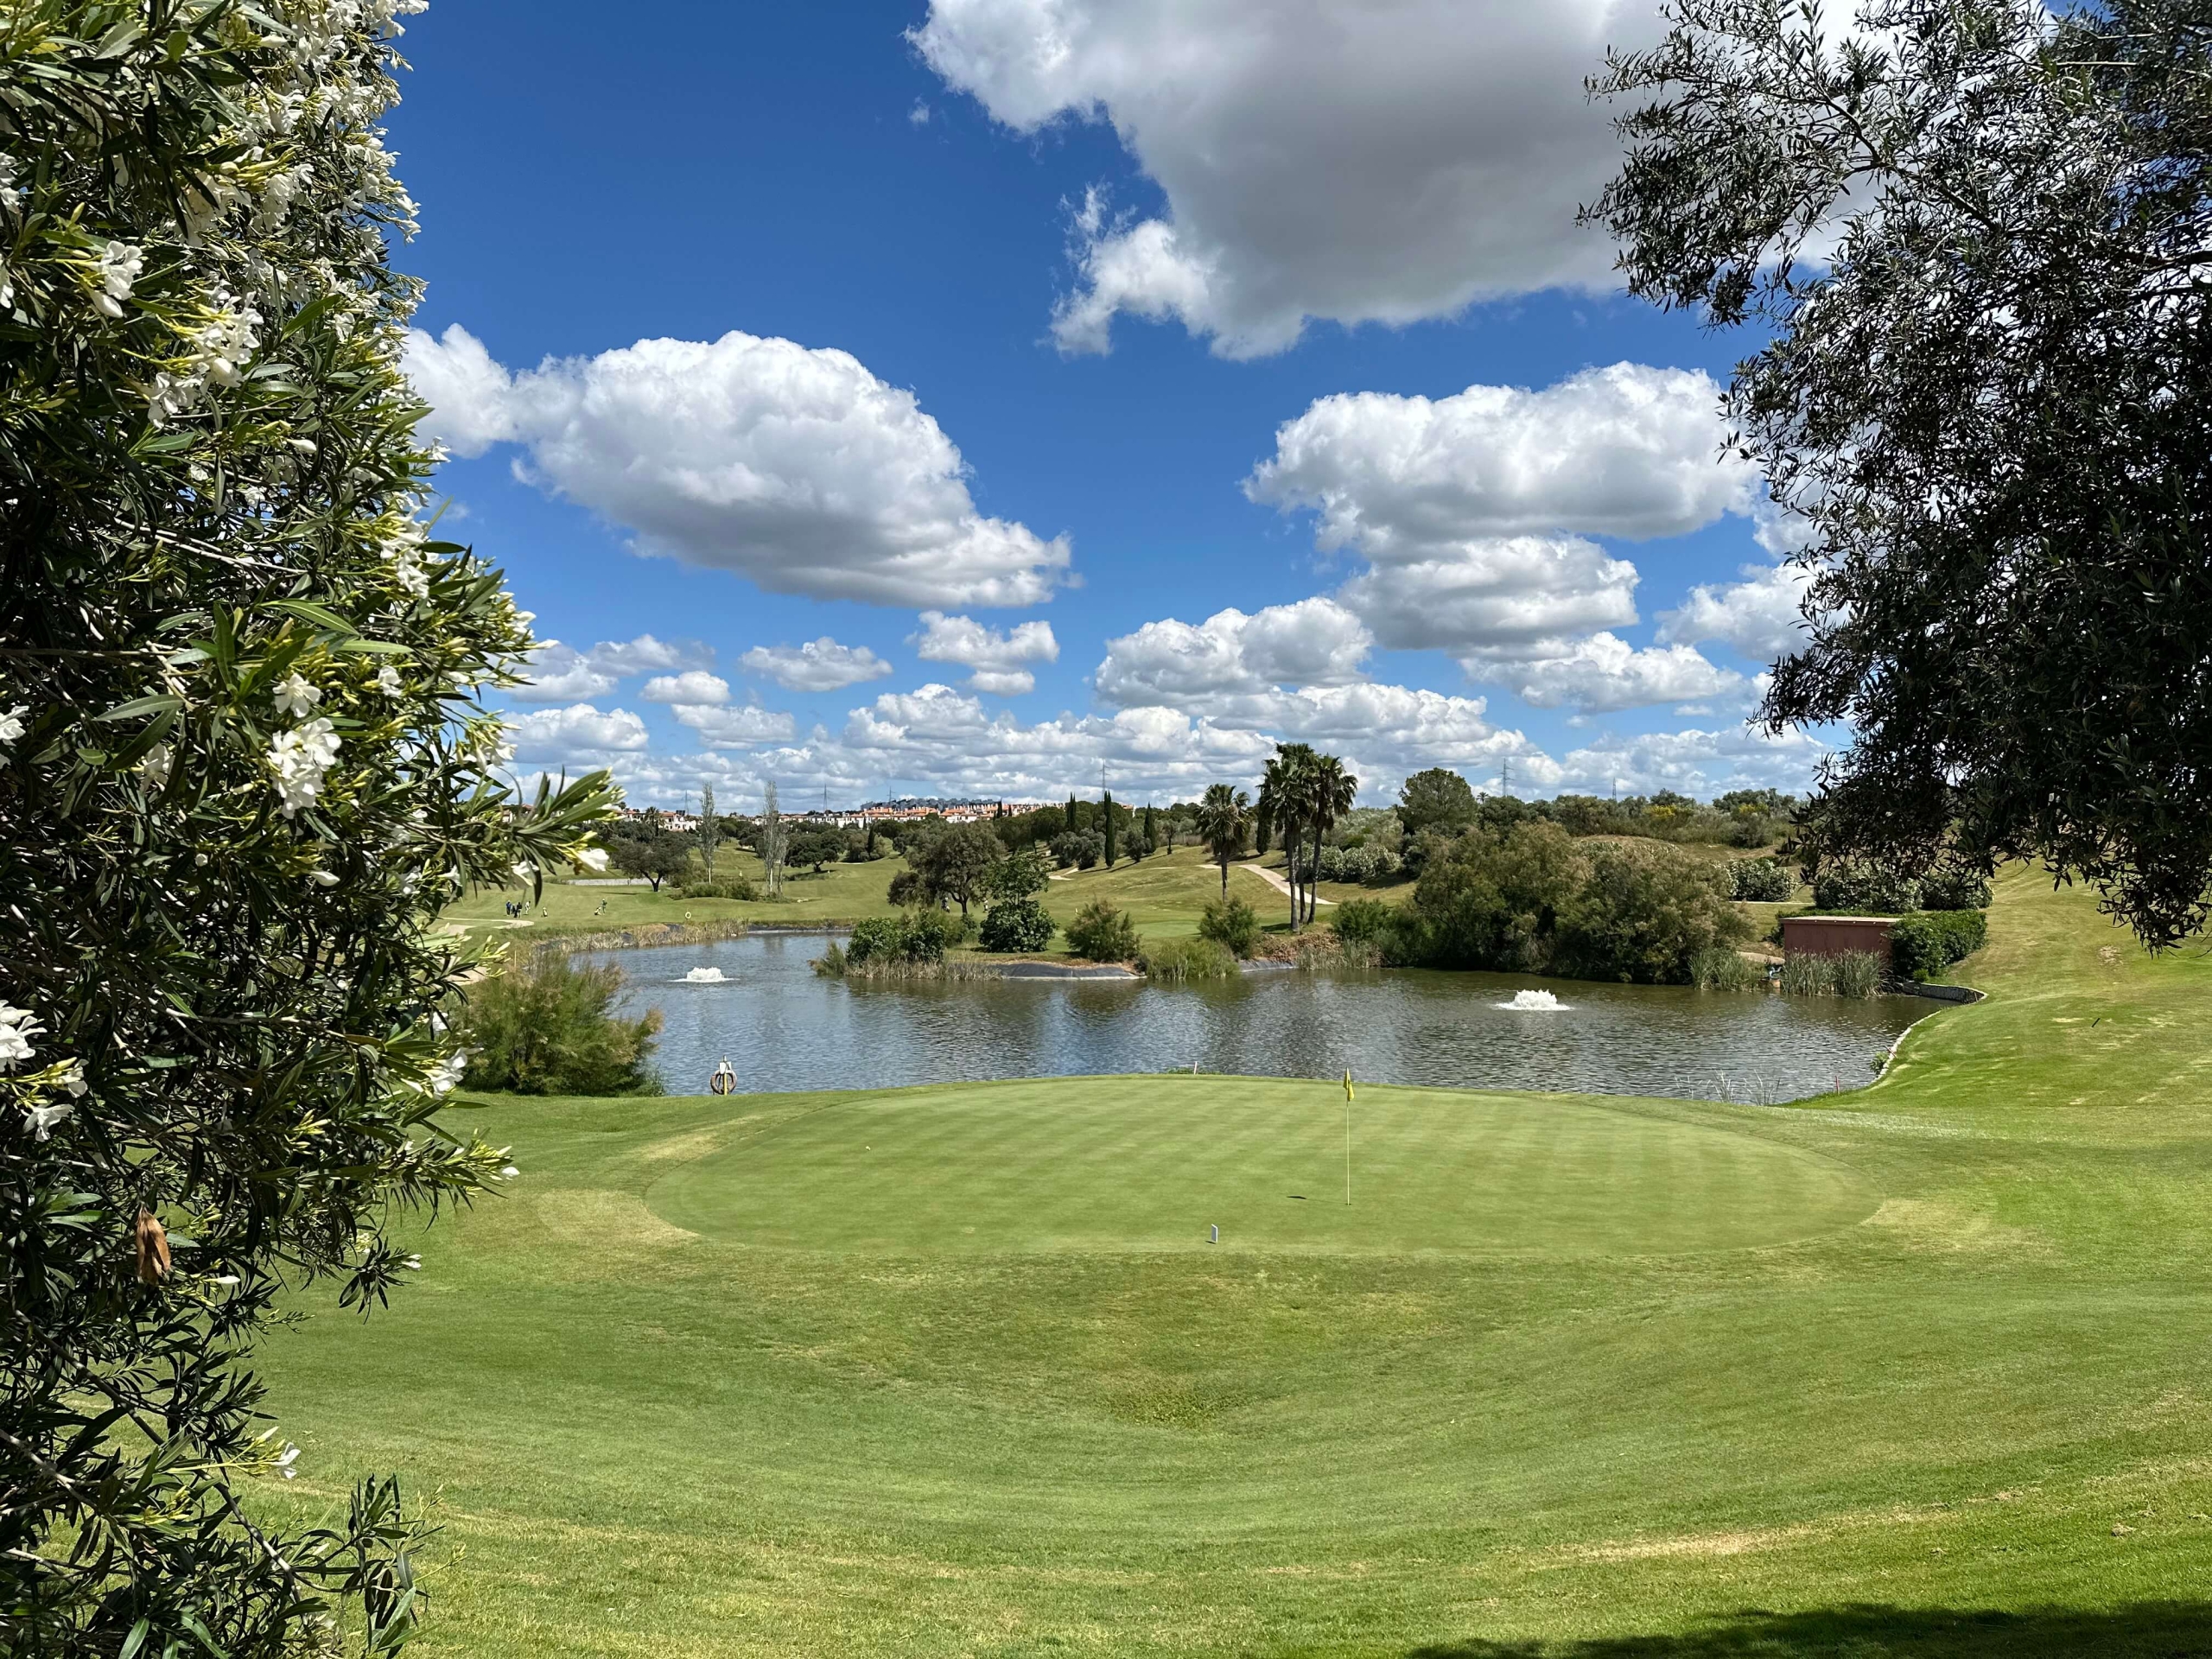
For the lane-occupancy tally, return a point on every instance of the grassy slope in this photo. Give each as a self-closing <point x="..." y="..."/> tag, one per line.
<point x="1914" y="1434"/>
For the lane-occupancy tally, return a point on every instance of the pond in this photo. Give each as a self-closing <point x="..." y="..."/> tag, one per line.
<point x="783" y="1028"/>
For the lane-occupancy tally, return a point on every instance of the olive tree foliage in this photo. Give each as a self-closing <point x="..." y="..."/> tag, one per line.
<point x="242" y="769"/>
<point x="1977" y="231"/>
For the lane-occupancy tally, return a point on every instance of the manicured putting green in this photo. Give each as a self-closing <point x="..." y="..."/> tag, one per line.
<point x="1153" y="1163"/>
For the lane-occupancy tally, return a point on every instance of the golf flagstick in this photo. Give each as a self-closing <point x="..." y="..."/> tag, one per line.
<point x="1347" y="1137"/>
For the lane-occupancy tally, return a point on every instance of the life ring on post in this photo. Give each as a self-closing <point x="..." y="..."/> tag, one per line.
<point x="724" y="1082"/>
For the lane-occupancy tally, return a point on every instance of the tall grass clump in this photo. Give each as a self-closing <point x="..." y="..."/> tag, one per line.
<point x="1174" y="961"/>
<point x="1852" y="973"/>
<point x="1719" y="968"/>
<point x="1808" y="977"/>
<point x="546" y="1028"/>
<point x="1858" y="973"/>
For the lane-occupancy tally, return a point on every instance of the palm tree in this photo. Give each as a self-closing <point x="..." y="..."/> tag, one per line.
<point x="1221" y="822"/>
<point x="1330" y="792"/>
<point x="1283" y="803"/>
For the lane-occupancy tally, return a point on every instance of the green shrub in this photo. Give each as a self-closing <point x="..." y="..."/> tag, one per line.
<point x="543" y="1028"/>
<point x="1923" y="945"/>
<point x="1719" y="968"/>
<point x="1847" y="886"/>
<point x="1365" y="921"/>
<point x="732" y="887"/>
<point x="1017" y="924"/>
<point x="1804" y="975"/>
<point x="1102" y="933"/>
<point x="1953" y="888"/>
<point x="1231" y="923"/>
<point x="1175" y="960"/>
<point x="1644" y="913"/>
<point x="1762" y="881"/>
<point x="830" y="964"/>
<point x="916" y="936"/>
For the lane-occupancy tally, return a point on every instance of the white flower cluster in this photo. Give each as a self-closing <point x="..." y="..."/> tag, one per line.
<point x="120" y="264"/>
<point x="154" y="767"/>
<point x="17" y="1027"/>
<point x="11" y="194"/>
<point x="445" y="1076"/>
<point x="407" y="567"/>
<point x="388" y="681"/>
<point x="302" y="756"/>
<point x="220" y="351"/>
<point x="12" y="724"/>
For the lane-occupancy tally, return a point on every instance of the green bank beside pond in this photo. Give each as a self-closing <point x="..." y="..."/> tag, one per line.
<point x="1917" y="1370"/>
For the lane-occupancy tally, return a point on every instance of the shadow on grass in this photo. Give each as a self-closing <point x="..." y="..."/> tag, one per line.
<point x="2171" y="1629"/>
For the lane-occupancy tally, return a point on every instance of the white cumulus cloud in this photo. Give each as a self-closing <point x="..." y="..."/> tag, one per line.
<point x="1603" y="673"/>
<point x="721" y="726"/>
<point x="999" y="659"/>
<point x="819" y="666"/>
<point x="1627" y="450"/>
<point x="579" y="732"/>
<point x="1759" y="616"/>
<point x="796" y="468"/>
<point x="695" y="686"/>
<point x="1197" y="666"/>
<point x="1355" y="159"/>
<point x="561" y="673"/>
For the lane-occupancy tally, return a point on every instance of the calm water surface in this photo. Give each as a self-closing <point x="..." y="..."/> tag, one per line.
<point x="784" y="1029"/>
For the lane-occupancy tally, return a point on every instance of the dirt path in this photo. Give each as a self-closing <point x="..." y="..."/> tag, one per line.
<point x="1280" y="883"/>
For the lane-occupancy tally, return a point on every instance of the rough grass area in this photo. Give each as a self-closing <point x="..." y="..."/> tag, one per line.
<point x="1919" y="1370"/>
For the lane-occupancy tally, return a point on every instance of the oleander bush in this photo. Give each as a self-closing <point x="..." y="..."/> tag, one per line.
<point x="1762" y="881"/>
<point x="546" y="1026"/>
<point x="1923" y="944"/>
<point x="1017" y="924"/>
<point x="1232" y="923"/>
<point x="1102" y="933"/>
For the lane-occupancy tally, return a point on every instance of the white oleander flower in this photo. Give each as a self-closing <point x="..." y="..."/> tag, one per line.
<point x="302" y="756"/>
<point x="11" y="723"/>
<point x="17" y="1027"/>
<point x="43" y="1118"/>
<point x="388" y="681"/>
<point x="73" y="1080"/>
<point x="226" y="1279"/>
<point x="154" y="766"/>
<point x="294" y="695"/>
<point x="286" y="1459"/>
<point x="120" y="264"/>
<point x="593" y="858"/>
<point x="322" y="878"/>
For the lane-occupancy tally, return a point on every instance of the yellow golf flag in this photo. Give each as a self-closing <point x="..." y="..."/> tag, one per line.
<point x="1347" y="1087"/>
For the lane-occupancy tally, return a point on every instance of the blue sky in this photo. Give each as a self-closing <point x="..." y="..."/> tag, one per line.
<point x="1108" y="316"/>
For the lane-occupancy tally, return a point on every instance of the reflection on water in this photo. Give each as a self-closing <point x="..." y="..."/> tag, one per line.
<point x="784" y="1029"/>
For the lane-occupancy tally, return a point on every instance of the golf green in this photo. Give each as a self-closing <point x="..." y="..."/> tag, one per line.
<point x="1156" y="1163"/>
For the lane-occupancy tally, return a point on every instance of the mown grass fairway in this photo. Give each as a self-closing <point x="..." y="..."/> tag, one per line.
<point x="1149" y="1164"/>
<point x="1922" y="1370"/>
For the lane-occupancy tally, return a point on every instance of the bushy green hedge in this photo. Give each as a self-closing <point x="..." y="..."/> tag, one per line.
<point x="1955" y="889"/>
<point x="1533" y="900"/>
<point x="1102" y="933"/>
<point x="1763" y="880"/>
<point x="544" y="1028"/>
<point x="734" y="887"/>
<point x="917" y="936"/>
<point x="1184" y="959"/>
<point x="1923" y="945"/>
<point x="1231" y="923"/>
<point x="1017" y="924"/>
<point x="1844" y="887"/>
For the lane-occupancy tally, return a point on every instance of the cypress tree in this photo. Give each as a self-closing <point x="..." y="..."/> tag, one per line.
<point x="1106" y="811"/>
